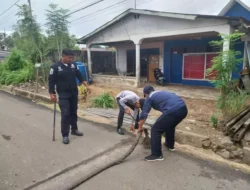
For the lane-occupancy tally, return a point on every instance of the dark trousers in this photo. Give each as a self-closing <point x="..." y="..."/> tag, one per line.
<point x="122" y="112"/>
<point x="68" y="104"/>
<point x="167" y="124"/>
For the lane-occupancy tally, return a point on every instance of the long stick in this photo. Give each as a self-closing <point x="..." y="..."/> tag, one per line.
<point x="54" y="122"/>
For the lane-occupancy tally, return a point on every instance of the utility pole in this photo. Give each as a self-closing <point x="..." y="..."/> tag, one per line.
<point x="33" y="39"/>
<point x="135" y="4"/>
<point x="31" y="21"/>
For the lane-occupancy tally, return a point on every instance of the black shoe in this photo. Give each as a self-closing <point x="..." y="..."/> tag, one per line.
<point x="153" y="158"/>
<point x="76" y="133"/>
<point x="170" y="149"/>
<point x="65" y="140"/>
<point x="120" y="131"/>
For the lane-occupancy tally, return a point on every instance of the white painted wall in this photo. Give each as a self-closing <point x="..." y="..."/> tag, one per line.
<point x="121" y="50"/>
<point x="147" y="26"/>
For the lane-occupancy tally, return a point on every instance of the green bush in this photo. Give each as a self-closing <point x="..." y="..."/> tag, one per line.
<point x="235" y="102"/>
<point x="106" y="100"/>
<point x="8" y="77"/>
<point x="15" y="61"/>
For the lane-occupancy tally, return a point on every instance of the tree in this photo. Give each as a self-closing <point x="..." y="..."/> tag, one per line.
<point x="27" y="35"/>
<point x="57" y="29"/>
<point x="6" y="41"/>
<point x="230" y="100"/>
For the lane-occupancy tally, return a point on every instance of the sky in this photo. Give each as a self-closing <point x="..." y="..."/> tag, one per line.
<point x="87" y="20"/>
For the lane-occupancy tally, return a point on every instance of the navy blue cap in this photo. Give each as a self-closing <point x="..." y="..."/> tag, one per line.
<point x="148" y="89"/>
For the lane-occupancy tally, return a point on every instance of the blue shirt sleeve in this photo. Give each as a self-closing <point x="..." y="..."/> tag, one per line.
<point x="146" y="109"/>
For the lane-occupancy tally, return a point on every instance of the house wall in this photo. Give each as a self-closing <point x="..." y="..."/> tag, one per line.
<point x="168" y="45"/>
<point x="123" y="48"/>
<point x="239" y="11"/>
<point x="133" y="29"/>
<point x="114" y="81"/>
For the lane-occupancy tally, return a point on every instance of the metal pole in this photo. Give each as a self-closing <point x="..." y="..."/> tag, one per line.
<point x="31" y="20"/>
<point x="135" y="4"/>
<point x="37" y="79"/>
<point x="54" y="122"/>
<point x="89" y="61"/>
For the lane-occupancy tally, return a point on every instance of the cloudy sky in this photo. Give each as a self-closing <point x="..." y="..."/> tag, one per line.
<point x="89" y="19"/>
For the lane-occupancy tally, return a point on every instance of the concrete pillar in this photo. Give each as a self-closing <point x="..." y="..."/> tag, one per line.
<point x="226" y="47"/>
<point x="138" y="64"/>
<point x="89" y="61"/>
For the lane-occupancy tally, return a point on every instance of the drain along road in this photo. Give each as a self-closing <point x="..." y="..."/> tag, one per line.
<point x="28" y="156"/>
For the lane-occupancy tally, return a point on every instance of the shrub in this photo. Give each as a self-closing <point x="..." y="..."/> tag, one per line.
<point x="230" y="101"/>
<point x="214" y="120"/>
<point x="105" y="100"/>
<point x="15" y="61"/>
<point x="8" y="77"/>
<point x="235" y="102"/>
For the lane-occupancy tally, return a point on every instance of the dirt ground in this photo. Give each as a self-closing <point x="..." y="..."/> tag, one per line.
<point x="197" y="121"/>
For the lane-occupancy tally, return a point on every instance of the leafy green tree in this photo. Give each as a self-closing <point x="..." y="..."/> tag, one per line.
<point x="58" y="29"/>
<point x="223" y="65"/>
<point x="27" y="35"/>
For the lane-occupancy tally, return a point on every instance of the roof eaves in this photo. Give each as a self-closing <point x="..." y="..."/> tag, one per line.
<point x="243" y="5"/>
<point x="138" y="11"/>
<point x="230" y="4"/>
<point x="84" y="38"/>
<point x="164" y="14"/>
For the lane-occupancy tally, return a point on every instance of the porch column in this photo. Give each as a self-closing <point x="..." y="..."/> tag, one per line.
<point x="138" y="64"/>
<point x="89" y="61"/>
<point x="226" y="47"/>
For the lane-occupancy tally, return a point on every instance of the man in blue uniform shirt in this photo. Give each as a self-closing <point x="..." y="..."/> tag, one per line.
<point x="173" y="109"/>
<point x="63" y="76"/>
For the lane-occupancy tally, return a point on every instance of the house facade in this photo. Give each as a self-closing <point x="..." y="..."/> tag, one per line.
<point x="176" y="43"/>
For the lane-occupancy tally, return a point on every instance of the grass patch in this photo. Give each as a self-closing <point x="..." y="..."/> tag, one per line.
<point x="105" y="100"/>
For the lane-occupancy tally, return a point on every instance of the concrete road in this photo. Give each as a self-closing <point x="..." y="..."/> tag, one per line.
<point x="27" y="153"/>
<point x="176" y="172"/>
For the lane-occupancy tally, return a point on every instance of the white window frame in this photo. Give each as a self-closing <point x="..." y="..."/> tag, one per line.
<point x="205" y="65"/>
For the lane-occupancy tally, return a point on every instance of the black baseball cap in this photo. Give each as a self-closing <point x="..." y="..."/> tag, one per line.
<point x="148" y="90"/>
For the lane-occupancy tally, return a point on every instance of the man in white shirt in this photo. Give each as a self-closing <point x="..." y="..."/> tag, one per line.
<point x="127" y="101"/>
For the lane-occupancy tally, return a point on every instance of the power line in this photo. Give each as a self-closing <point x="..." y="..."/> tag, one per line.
<point x="74" y="12"/>
<point x="105" y="14"/>
<point x="78" y="10"/>
<point x="77" y="4"/>
<point x="84" y="8"/>
<point x="144" y="2"/>
<point x="9" y="7"/>
<point x="5" y="18"/>
<point x="99" y="10"/>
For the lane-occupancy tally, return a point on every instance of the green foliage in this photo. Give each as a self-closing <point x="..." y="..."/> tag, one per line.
<point x="16" y="69"/>
<point x="29" y="38"/>
<point x="27" y="35"/>
<point x="6" y="40"/>
<point x="106" y="100"/>
<point x="235" y="102"/>
<point x="15" y="61"/>
<point x="230" y="100"/>
<point x="226" y="62"/>
<point x="57" y="28"/>
<point x="214" y="120"/>
<point x="16" y="77"/>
